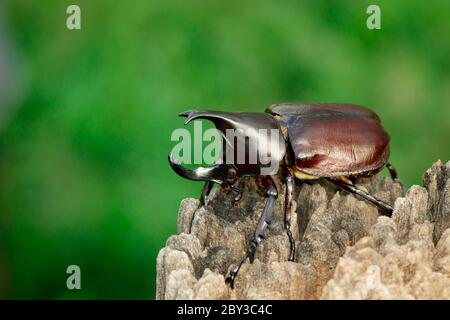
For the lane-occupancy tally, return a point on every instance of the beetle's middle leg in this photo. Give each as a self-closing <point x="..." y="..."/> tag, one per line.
<point x="287" y="212"/>
<point x="260" y="233"/>
<point x="385" y="208"/>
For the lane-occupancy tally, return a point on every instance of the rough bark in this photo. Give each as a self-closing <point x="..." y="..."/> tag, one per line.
<point x="345" y="249"/>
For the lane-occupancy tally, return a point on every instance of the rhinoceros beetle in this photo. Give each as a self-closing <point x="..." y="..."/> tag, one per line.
<point x="336" y="142"/>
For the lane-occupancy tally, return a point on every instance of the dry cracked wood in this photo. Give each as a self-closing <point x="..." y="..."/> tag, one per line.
<point x="345" y="249"/>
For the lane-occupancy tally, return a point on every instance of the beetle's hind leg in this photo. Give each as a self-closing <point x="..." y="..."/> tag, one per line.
<point x="260" y="232"/>
<point x="392" y="170"/>
<point x="385" y="208"/>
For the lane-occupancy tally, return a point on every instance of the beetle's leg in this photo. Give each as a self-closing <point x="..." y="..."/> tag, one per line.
<point x="287" y="212"/>
<point x="386" y="208"/>
<point x="238" y="194"/>
<point x="392" y="171"/>
<point x="205" y="192"/>
<point x="234" y="190"/>
<point x="260" y="232"/>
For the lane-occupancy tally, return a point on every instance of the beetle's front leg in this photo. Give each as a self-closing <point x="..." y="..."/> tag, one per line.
<point x="236" y="192"/>
<point x="260" y="232"/>
<point x="206" y="190"/>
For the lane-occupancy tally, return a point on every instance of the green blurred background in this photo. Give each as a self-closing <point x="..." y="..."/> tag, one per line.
<point x="87" y="115"/>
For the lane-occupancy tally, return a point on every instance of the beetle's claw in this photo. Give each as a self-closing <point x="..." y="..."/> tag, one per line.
<point x="251" y="257"/>
<point x="230" y="280"/>
<point x="238" y="196"/>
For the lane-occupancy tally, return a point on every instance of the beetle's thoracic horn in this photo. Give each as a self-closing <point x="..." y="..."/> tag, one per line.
<point x="218" y="117"/>
<point x="216" y="173"/>
<point x="248" y="138"/>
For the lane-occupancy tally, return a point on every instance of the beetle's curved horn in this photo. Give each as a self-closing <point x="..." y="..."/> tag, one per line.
<point x="243" y="121"/>
<point x="222" y="120"/>
<point x="216" y="173"/>
<point x="214" y="116"/>
<point x="254" y="140"/>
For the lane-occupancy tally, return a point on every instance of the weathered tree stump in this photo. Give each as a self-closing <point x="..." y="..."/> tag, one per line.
<point x="345" y="249"/>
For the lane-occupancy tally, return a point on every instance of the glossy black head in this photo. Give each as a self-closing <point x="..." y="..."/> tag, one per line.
<point x="252" y="145"/>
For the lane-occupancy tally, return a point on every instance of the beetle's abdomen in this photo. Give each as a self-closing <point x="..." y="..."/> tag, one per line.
<point x="333" y="139"/>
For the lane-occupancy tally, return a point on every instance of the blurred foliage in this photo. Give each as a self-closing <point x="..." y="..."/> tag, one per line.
<point x="83" y="163"/>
